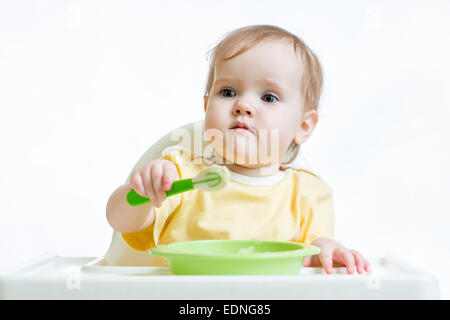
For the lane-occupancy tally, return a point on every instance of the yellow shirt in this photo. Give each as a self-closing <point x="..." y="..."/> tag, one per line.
<point x="298" y="206"/>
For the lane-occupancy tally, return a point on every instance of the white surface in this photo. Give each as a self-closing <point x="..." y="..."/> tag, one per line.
<point x="54" y="277"/>
<point x="87" y="86"/>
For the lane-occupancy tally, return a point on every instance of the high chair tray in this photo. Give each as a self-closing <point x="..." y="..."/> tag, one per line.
<point x="53" y="277"/>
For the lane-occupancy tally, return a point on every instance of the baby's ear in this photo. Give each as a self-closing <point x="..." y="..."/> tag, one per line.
<point x="205" y="101"/>
<point x="306" y="127"/>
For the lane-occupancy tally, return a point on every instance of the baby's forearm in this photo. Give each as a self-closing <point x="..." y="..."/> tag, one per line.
<point x="126" y="218"/>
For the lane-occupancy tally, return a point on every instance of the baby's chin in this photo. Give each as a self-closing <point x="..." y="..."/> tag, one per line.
<point x="243" y="157"/>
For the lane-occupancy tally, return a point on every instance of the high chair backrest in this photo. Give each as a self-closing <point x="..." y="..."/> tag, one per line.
<point x="189" y="136"/>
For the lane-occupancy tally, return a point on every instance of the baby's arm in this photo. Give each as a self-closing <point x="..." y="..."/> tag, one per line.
<point x="151" y="181"/>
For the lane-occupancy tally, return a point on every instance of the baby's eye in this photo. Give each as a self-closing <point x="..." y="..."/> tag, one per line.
<point x="227" y="93"/>
<point x="270" y="98"/>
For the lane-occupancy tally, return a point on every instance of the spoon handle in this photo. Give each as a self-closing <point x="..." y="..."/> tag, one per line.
<point x="135" y="199"/>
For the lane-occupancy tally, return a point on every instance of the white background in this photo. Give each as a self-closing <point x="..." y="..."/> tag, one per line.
<point x="87" y="87"/>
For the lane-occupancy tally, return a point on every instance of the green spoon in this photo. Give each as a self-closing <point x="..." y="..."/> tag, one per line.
<point x="211" y="178"/>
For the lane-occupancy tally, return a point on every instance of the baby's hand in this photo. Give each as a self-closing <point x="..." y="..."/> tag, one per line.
<point x="331" y="251"/>
<point x="154" y="179"/>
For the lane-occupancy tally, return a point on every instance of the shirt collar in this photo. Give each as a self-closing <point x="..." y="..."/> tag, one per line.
<point x="258" y="181"/>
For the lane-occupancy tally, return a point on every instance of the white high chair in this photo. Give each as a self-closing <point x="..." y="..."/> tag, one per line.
<point x="119" y="253"/>
<point x="123" y="273"/>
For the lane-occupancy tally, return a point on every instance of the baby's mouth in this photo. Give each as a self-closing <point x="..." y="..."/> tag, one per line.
<point x="241" y="127"/>
<point x="237" y="128"/>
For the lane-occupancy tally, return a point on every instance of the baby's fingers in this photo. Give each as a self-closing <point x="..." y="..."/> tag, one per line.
<point x="137" y="183"/>
<point x="326" y="259"/>
<point x="360" y="262"/>
<point x="307" y="261"/>
<point x="146" y="178"/>
<point x="156" y="174"/>
<point x="170" y="174"/>
<point x="344" y="256"/>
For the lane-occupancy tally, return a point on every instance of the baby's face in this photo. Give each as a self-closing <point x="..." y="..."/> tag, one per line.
<point x="259" y="89"/>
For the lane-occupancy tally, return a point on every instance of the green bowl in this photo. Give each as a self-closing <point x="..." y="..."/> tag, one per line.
<point x="234" y="257"/>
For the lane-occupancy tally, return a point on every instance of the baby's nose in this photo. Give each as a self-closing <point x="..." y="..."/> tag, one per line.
<point x="243" y="109"/>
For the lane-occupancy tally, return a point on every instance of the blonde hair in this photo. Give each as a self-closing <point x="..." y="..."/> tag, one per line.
<point x="245" y="38"/>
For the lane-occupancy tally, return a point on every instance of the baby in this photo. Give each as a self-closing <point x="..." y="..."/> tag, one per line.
<point x="260" y="104"/>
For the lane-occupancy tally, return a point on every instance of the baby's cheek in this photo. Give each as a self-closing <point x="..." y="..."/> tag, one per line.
<point x="214" y="120"/>
<point x="277" y="142"/>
